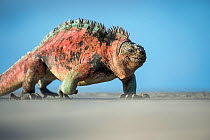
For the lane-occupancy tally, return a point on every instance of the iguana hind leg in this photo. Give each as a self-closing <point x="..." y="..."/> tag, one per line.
<point x="36" y="70"/>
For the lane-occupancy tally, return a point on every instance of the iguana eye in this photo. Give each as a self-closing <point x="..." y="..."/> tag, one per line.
<point x="131" y="50"/>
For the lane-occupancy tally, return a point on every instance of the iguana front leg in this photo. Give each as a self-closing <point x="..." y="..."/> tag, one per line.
<point x="129" y="87"/>
<point x="72" y="78"/>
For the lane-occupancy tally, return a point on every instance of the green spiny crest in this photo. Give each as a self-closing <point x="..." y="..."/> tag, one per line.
<point x="93" y="27"/>
<point x="116" y="30"/>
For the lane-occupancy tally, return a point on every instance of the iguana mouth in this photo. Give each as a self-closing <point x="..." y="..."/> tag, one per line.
<point x="140" y="58"/>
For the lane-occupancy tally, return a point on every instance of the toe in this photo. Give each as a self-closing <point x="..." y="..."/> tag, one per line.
<point x="14" y="97"/>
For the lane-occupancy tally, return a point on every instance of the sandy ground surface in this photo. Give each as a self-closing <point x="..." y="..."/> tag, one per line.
<point x="160" y="118"/>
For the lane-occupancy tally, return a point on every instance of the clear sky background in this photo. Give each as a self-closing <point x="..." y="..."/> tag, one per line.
<point x="175" y="35"/>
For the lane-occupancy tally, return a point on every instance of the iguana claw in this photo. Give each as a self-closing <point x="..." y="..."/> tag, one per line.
<point x="61" y="94"/>
<point x="47" y="92"/>
<point x="26" y="96"/>
<point x="14" y="97"/>
<point x="134" y="96"/>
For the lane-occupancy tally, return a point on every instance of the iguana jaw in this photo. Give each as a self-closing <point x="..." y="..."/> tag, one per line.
<point x="138" y="60"/>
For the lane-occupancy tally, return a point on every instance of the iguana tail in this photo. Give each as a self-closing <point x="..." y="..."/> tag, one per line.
<point x="11" y="79"/>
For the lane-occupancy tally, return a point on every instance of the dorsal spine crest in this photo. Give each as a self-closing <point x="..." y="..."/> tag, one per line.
<point x="93" y="27"/>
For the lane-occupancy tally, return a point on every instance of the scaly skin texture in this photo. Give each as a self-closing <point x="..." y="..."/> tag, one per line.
<point x="78" y="53"/>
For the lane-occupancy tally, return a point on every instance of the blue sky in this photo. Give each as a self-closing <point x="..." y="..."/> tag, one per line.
<point x="175" y="35"/>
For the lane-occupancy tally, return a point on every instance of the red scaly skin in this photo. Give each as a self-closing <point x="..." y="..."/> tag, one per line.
<point x="56" y="57"/>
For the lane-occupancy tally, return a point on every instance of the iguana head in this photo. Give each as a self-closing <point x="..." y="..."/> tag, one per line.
<point x="133" y="53"/>
<point x="129" y="58"/>
<point x="129" y="51"/>
<point x="126" y="56"/>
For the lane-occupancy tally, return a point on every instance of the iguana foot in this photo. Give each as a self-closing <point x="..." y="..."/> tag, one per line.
<point x="122" y="96"/>
<point x="134" y="96"/>
<point x="141" y="96"/>
<point x="30" y="96"/>
<point x="144" y="95"/>
<point x="61" y="95"/>
<point x="14" y="97"/>
<point x="126" y="96"/>
<point x="25" y="96"/>
<point x="47" y="92"/>
<point x="65" y="95"/>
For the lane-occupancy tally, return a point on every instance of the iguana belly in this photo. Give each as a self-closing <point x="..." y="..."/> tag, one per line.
<point x="97" y="78"/>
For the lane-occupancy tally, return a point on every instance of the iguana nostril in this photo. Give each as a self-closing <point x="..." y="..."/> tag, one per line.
<point x="142" y="52"/>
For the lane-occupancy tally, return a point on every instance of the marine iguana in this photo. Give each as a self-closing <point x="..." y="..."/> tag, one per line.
<point x="78" y="52"/>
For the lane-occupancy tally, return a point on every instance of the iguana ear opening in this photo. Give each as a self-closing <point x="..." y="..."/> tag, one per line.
<point x="120" y="47"/>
